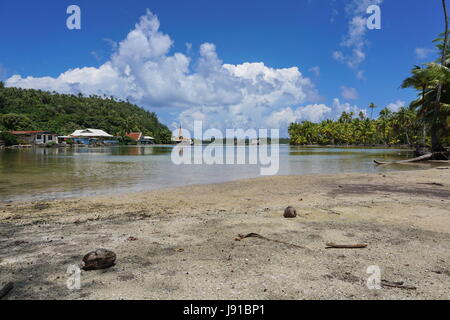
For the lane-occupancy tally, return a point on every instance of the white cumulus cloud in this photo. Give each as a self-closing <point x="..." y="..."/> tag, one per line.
<point x="349" y="93"/>
<point x="395" y="106"/>
<point x="315" y="70"/>
<point x="354" y="44"/>
<point x="143" y="69"/>
<point x="311" y="112"/>
<point x="423" y="53"/>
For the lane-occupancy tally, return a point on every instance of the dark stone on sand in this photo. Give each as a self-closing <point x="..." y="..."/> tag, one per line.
<point x="290" y="212"/>
<point x="99" y="259"/>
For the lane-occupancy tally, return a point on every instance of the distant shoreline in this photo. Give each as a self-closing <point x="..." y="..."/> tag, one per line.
<point x="401" y="146"/>
<point x="169" y="145"/>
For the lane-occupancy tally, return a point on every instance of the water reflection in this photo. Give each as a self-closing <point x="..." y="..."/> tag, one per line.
<point x="55" y="173"/>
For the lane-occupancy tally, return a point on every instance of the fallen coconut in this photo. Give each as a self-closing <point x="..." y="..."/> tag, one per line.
<point x="98" y="259"/>
<point x="290" y="212"/>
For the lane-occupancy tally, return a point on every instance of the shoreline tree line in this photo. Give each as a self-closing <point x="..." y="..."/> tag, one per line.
<point x="425" y="122"/>
<point x="391" y="128"/>
<point x="28" y="109"/>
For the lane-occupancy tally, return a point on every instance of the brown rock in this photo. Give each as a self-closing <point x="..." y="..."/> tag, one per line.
<point x="290" y="212"/>
<point x="98" y="259"/>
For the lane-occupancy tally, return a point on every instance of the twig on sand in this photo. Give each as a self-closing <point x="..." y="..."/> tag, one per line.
<point x="399" y="285"/>
<point x="433" y="184"/>
<point x="332" y="245"/>
<point x="329" y="211"/>
<point x="6" y="289"/>
<point x="255" y="235"/>
<point x="250" y="235"/>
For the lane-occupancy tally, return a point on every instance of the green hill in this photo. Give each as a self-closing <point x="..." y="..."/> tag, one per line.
<point x="25" y="109"/>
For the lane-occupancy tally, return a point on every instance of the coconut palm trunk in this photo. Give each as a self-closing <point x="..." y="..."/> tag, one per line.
<point x="435" y="141"/>
<point x="424" y="135"/>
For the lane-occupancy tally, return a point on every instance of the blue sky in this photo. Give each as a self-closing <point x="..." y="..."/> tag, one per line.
<point x="183" y="78"/>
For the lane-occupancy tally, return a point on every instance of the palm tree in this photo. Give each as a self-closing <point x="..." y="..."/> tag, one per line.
<point x="384" y="125"/>
<point x="421" y="80"/>
<point x="361" y="116"/>
<point x="404" y="121"/>
<point x="346" y="117"/>
<point x="372" y="106"/>
<point x="434" y="83"/>
<point x="435" y="143"/>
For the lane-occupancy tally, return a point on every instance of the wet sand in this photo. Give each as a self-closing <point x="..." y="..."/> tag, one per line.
<point x="186" y="244"/>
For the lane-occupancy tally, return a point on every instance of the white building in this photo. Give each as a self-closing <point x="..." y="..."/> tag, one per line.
<point x="90" y="133"/>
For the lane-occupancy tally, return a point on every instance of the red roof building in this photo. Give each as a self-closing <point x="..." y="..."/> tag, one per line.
<point x="139" y="138"/>
<point x="18" y="133"/>
<point x="136" y="136"/>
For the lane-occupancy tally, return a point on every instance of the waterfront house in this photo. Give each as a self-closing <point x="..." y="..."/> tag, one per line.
<point x="140" y="138"/>
<point x="89" y="136"/>
<point x="35" y="137"/>
<point x="91" y="133"/>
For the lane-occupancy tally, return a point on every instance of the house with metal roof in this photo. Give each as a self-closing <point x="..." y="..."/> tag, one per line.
<point x="92" y="137"/>
<point x="90" y="133"/>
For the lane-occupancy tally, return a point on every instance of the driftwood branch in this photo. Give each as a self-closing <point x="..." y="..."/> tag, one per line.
<point x="255" y="235"/>
<point x="332" y="245"/>
<point x="399" y="285"/>
<point x="421" y="158"/>
<point x="6" y="289"/>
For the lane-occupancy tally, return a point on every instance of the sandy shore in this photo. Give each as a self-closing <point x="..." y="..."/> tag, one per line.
<point x="404" y="217"/>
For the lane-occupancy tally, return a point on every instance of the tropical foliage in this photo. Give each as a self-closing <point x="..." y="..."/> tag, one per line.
<point x="8" y="139"/>
<point x="24" y="109"/>
<point x="430" y="80"/>
<point x="390" y="128"/>
<point x="433" y="83"/>
<point x="426" y="121"/>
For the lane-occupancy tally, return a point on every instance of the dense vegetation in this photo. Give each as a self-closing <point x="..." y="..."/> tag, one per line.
<point x="24" y="109"/>
<point x="426" y="121"/>
<point x="8" y="139"/>
<point x="390" y="128"/>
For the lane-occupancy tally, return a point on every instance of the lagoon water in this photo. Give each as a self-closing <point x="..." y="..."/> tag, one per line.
<point x="41" y="174"/>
